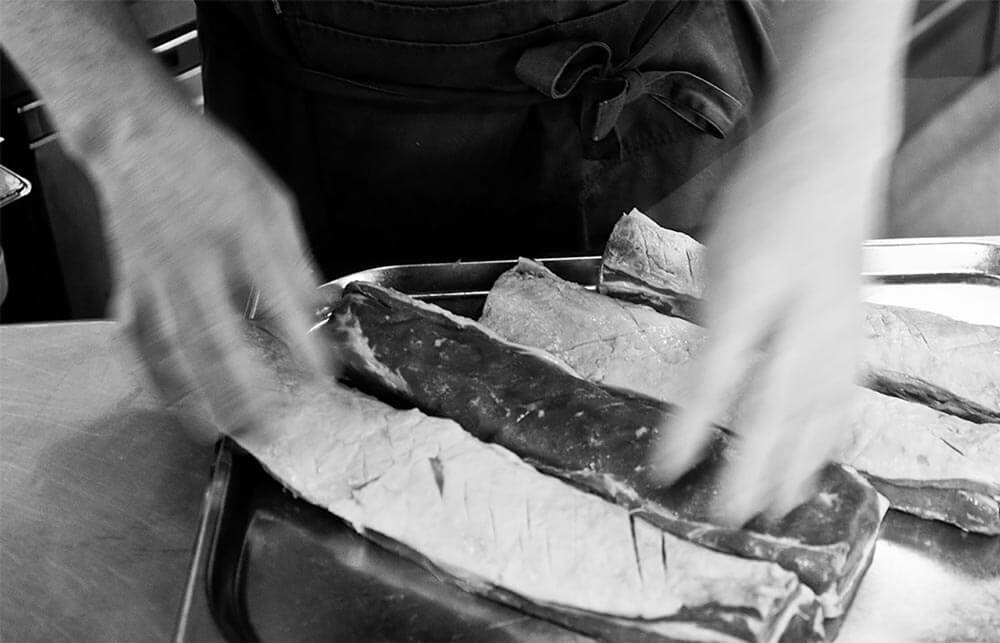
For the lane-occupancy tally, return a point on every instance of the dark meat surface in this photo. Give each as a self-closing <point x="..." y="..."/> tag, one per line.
<point x="910" y="449"/>
<point x="480" y="518"/>
<point x="594" y="436"/>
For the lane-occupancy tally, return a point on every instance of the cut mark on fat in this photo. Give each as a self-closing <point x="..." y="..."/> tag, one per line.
<point x="952" y="447"/>
<point x="635" y="548"/>
<point x="438" y="470"/>
<point x="493" y="524"/>
<point x="359" y="487"/>
<point x="914" y="329"/>
<point x="663" y="552"/>
<point x="690" y="264"/>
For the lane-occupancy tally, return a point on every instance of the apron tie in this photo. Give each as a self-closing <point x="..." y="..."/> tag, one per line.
<point x="560" y="69"/>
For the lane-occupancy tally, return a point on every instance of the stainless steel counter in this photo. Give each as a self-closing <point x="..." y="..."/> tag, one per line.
<point x="101" y="492"/>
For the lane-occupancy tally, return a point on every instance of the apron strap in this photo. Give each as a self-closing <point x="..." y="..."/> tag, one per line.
<point x="707" y="107"/>
<point x="556" y="71"/>
<point x="559" y="69"/>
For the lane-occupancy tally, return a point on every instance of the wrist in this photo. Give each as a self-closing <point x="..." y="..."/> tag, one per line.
<point x="107" y="136"/>
<point x="87" y="60"/>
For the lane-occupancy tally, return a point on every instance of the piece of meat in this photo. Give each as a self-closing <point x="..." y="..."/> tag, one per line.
<point x="935" y="360"/>
<point x="949" y="365"/>
<point x="598" y="438"/>
<point x="479" y="516"/>
<point x="648" y="264"/>
<point x="926" y="462"/>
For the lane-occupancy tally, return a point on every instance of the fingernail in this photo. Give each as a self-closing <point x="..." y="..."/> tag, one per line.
<point x="673" y="455"/>
<point x="665" y="472"/>
<point x="722" y="512"/>
<point x="735" y="506"/>
<point x="789" y="499"/>
<point x="731" y="514"/>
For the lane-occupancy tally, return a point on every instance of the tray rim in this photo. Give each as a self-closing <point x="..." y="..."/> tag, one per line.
<point x="990" y="244"/>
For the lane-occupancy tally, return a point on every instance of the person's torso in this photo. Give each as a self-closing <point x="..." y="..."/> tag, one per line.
<point x="416" y="131"/>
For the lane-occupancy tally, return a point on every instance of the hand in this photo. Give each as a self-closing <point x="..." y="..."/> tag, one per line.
<point x="194" y="220"/>
<point x="784" y="259"/>
<point x="783" y="313"/>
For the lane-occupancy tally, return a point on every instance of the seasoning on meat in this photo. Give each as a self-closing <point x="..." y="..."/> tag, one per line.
<point x="480" y="517"/>
<point x="596" y="437"/>
<point x="928" y="463"/>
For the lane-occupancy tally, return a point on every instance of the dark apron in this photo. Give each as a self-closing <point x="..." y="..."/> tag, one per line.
<point x="423" y="131"/>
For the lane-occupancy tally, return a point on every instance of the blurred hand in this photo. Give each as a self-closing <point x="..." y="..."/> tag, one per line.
<point x="784" y="261"/>
<point x="783" y="313"/>
<point x="194" y="220"/>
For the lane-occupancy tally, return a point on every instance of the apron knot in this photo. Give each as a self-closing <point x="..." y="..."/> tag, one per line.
<point x="585" y="69"/>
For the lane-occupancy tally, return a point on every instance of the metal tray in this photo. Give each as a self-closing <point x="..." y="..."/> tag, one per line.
<point x="269" y="567"/>
<point x="12" y="186"/>
<point x="954" y="276"/>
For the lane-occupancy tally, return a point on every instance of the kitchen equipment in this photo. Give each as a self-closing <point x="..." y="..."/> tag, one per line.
<point x="267" y="566"/>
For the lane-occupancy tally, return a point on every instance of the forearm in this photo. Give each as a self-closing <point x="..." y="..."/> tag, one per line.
<point x="833" y="117"/>
<point x="87" y="61"/>
<point x="840" y="66"/>
<point x="832" y="37"/>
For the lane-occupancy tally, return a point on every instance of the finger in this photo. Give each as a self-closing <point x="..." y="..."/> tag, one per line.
<point x="792" y="494"/>
<point x="682" y="441"/>
<point x="292" y="297"/>
<point x="804" y="452"/>
<point x="790" y="425"/>
<point x="798" y="458"/>
<point x="156" y="342"/>
<point x="758" y="466"/>
<point x="823" y="423"/>
<point x="820" y="376"/>
<point x="276" y="237"/>
<point x="214" y="347"/>
<point x="720" y="373"/>
<point x="752" y="472"/>
<point x="293" y="318"/>
<point x="331" y="294"/>
<point x="286" y="245"/>
<point x="741" y="312"/>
